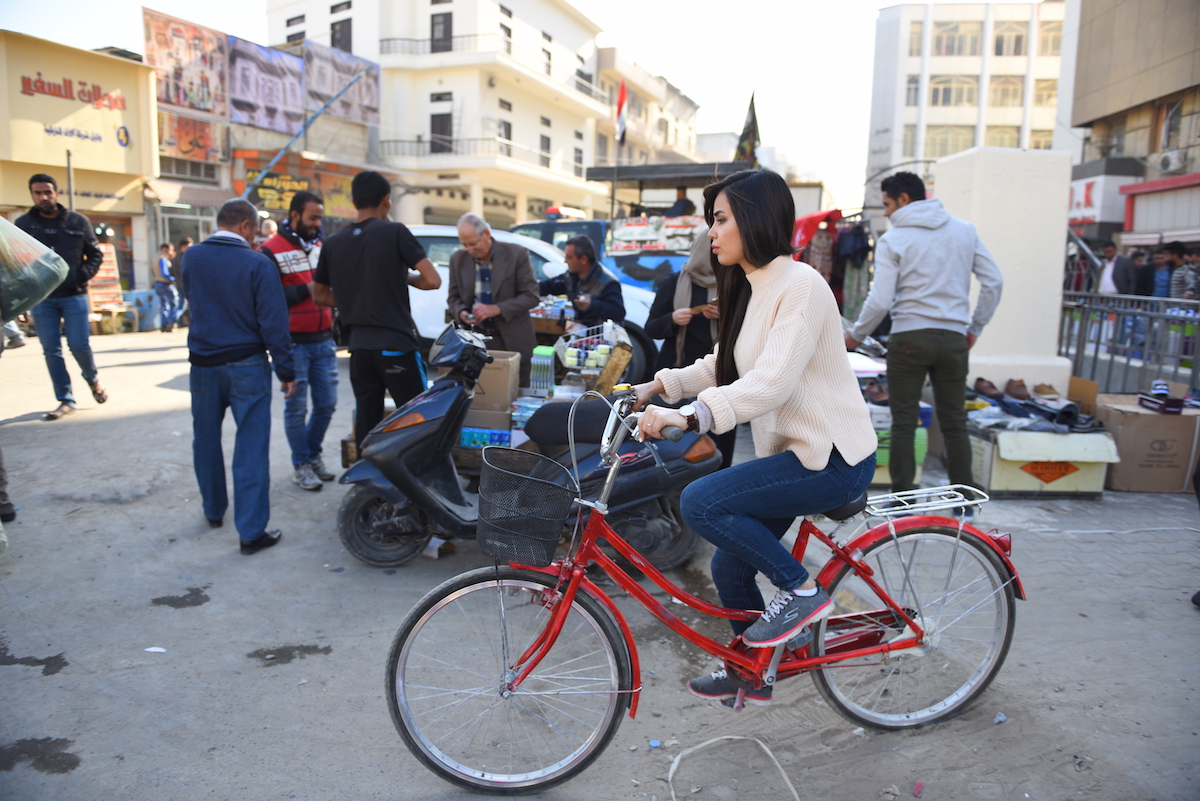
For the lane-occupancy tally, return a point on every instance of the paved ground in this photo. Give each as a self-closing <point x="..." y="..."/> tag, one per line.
<point x="111" y="556"/>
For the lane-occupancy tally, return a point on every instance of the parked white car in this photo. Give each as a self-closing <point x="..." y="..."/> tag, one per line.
<point x="440" y="241"/>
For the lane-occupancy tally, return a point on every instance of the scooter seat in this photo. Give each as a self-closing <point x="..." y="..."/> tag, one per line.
<point x="849" y="510"/>
<point x="548" y="425"/>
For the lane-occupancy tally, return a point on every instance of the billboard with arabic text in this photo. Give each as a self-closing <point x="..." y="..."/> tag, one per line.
<point x="188" y="138"/>
<point x="191" y="61"/>
<point x="266" y="87"/>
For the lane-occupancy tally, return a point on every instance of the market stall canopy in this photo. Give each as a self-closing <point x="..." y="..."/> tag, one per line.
<point x="666" y="176"/>
<point x="185" y="195"/>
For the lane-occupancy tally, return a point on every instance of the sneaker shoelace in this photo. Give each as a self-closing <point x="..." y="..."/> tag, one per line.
<point x="777" y="605"/>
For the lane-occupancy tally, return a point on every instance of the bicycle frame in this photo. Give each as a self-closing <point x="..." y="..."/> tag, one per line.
<point x="752" y="664"/>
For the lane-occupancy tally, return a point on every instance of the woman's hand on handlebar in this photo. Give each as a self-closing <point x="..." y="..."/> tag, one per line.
<point x="644" y="392"/>
<point x="655" y="418"/>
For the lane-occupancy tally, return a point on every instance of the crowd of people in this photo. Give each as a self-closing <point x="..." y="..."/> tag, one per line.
<point x="1171" y="271"/>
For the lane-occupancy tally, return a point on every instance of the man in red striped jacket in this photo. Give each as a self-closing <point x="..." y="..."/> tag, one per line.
<point x="295" y="248"/>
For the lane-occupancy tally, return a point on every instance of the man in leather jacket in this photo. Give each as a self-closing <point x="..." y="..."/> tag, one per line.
<point x="70" y="235"/>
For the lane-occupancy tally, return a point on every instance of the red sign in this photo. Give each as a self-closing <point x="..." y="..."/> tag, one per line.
<point x="66" y="90"/>
<point x="1047" y="472"/>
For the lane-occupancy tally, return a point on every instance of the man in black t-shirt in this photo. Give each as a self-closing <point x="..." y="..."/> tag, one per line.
<point x="365" y="270"/>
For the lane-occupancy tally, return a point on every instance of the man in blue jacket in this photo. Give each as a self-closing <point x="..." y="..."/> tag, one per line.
<point x="238" y="314"/>
<point x="593" y="291"/>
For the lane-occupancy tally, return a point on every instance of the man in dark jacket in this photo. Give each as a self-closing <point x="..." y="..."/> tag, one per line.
<point x="238" y="314"/>
<point x="70" y="235"/>
<point x="295" y="248"/>
<point x="594" y="291"/>
<point x="1118" y="275"/>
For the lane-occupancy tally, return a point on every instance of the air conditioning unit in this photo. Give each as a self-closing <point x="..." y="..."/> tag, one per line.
<point x="1173" y="161"/>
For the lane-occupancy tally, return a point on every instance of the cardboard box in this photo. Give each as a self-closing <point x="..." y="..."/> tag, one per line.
<point x="1023" y="464"/>
<point x="498" y="384"/>
<point x="1158" y="451"/>
<point x="494" y="421"/>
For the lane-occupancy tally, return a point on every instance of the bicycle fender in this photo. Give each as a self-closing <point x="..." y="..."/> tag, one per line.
<point x="879" y="532"/>
<point x="635" y="667"/>
<point x="368" y="475"/>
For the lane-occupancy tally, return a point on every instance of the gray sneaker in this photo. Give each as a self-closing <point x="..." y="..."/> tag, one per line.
<point x="306" y="478"/>
<point x="785" y="616"/>
<point x="318" y="467"/>
<point x="717" y="686"/>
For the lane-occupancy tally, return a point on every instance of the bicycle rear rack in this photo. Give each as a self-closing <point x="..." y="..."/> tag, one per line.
<point x="929" y="499"/>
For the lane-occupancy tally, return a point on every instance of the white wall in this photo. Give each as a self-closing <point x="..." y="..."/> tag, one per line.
<point x="1018" y="201"/>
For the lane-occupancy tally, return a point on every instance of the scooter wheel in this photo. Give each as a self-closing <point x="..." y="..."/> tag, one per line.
<point x="377" y="532"/>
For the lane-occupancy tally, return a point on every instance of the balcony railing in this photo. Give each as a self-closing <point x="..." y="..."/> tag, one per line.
<point x="442" y="146"/>
<point x="493" y="43"/>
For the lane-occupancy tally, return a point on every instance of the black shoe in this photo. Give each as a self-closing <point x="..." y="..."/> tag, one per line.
<point x="215" y="522"/>
<point x="265" y="541"/>
<point x="8" y="518"/>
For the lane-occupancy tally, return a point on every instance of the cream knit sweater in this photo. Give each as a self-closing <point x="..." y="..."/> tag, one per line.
<point x="795" y="387"/>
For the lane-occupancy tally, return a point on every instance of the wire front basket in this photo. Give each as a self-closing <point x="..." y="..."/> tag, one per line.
<point x="524" y="500"/>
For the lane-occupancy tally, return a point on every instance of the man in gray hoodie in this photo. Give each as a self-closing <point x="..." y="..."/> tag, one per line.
<point x="923" y="268"/>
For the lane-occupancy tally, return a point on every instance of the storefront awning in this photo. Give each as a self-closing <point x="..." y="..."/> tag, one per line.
<point x="187" y="194"/>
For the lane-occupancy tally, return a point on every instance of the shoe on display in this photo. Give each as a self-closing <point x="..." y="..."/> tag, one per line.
<point x="318" y="467"/>
<point x="1159" y="389"/>
<point x="1015" y="388"/>
<point x="987" y="389"/>
<point x="717" y="686"/>
<point x="875" y="393"/>
<point x="1045" y="392"/>
<point x="785" y="615"/>
<point x="305" y="478"/>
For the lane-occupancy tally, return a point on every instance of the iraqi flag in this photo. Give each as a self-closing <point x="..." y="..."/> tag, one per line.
<point x="622" y="108"/>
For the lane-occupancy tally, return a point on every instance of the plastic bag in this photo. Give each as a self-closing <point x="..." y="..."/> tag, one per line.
<point x="29" y="271"/>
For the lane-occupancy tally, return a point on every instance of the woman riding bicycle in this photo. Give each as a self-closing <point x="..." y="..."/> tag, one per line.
<point x="780" y="362"/>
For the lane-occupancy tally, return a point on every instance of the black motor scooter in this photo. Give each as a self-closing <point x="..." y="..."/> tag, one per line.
<point x="407" y="488"/>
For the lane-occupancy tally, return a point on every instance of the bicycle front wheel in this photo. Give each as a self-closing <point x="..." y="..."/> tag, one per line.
<point x="957" y="590"/>
<point x="451" y="663"/>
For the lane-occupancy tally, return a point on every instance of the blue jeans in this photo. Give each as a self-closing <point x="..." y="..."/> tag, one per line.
<point x="53" y="316"/>
<point x="316" y="369"/>
<point x="245" y="387"/>
<point x="168" y="297"/>
<point x="746" y="509"/>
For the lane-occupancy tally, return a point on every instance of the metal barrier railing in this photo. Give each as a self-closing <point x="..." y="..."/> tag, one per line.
<point x="1125" y="342"/>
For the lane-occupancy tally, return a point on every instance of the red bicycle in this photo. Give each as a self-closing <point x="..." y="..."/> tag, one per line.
<point x="512" y="679"/>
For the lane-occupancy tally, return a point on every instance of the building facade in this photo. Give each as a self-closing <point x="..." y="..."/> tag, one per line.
<point x="1137" y="90"/>
<point x="97" y="108"/>
<point x="956" y="76"/>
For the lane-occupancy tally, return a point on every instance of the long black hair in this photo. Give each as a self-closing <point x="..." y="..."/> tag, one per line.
<point x="765" y="213"/>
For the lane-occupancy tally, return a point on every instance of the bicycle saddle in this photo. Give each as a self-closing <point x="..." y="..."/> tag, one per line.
<point x="849" y="510"/>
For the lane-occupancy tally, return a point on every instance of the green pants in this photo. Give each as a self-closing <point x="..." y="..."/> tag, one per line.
<point x="943" y="356"/>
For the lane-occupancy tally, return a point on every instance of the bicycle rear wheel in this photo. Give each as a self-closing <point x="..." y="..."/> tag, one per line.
<point x="957" y="590"/>
<point x="450" y="663"/>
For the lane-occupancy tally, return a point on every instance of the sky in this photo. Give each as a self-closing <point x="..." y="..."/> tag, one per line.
<point x="807" y="62"/>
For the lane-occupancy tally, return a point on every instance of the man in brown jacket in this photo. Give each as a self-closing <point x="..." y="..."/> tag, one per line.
<point x="492" y="286"/>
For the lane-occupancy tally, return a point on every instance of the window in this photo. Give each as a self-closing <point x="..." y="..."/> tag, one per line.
<point x="953" y="90"/>
<point x="915" y="33"/>
<point x="441" y="33"/>
<point x="601" y="149"/>
<point x="579" y="135"/>
<point x="664" y="128"/>
<point x="506" y="11"/>
<point x="505" y="133"/>
<point x="295" y="21"/>
<point x="505" y="105"/>
<point x="1116" y="141"/>
<point x="1002" y="136"/>
<point x="957" y="38"/>
<point x="441" y="133"/>
<point x="546" y="55"/>
<point x="506" y="37"/>
<point x="441" y="97"/>
<point x="544" y="158"/>
<point x="946" y="140"/>
<point x="1010" y="38"/>
<point x="1006" y="90"/>
<point x="546" y="121"/>
<point x="190" y="170"/>
<point x="437" y="2"/>
<point x="912" y="91"/>
<point x="1041" y="140"/>
<point x="1171" y="117"/>
<point x="1050" y="39"/>
<point x="910" y="141"/>
<point x="1045" y="92"/>
<point x="339" y="35"/>
<point x="579" y="162"/>
<point x="547" y="37"/>
<point x="339" y="7"/>
<point x="298" y="36"/>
